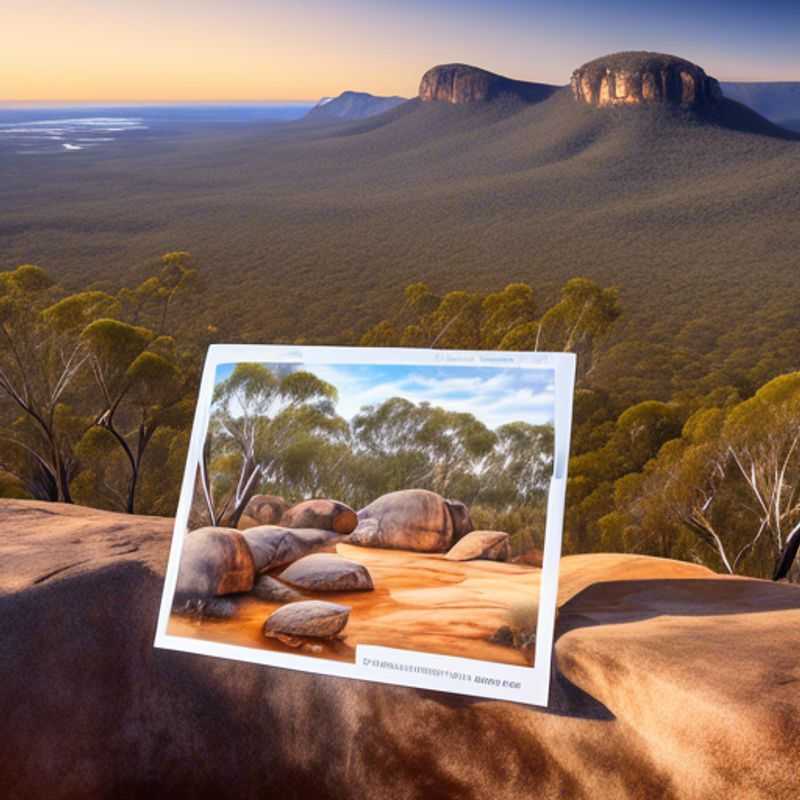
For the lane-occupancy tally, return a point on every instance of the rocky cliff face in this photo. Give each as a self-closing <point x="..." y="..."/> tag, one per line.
<point x="640" y="78"/>
<point x="461" y="83"/>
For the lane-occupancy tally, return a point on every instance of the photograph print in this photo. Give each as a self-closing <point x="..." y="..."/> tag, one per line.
<point x="401" y="505"/>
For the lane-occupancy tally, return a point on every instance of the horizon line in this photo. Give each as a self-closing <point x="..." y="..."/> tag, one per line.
<point x="49" y="103"/>
<point x="70" y="102"/>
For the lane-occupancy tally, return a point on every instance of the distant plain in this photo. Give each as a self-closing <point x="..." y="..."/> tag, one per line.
<point x="310" y="230"/>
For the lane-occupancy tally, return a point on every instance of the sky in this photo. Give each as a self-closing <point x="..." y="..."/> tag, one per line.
<point x="259" y="50"/>
<point x="494" y="395"/>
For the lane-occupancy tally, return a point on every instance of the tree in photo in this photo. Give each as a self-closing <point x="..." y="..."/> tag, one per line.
<point x="257" y="415"/>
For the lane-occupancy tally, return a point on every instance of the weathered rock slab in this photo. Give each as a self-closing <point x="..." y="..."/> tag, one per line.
<point x="273" y="591"/>
<point x="665" y="672"/>
<point x="489" y="545"/>
<point x="275" y="546"/>
<point x="314" y="618"/>
<point x="324" y="572"/>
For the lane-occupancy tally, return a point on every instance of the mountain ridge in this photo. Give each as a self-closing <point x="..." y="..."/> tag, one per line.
<point x="676" y="207"/>
<point x="352" y="105"/>
<point x="778" y="101"/>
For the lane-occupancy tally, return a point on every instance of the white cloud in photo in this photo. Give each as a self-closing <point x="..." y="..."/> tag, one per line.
<point x="493" y="395"/>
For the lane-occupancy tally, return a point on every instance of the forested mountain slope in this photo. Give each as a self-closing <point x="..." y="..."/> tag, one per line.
<point x="693" y="218"/>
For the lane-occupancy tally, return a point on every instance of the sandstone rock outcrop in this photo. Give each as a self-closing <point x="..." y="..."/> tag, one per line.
<point x="214" y="561"/>
<point x="411" y="519"/>
<point x="326" y="572"/>
<point x="275" y="546"/>
<point x="461" y="83"/>
<point x="638" y="78"/>
<point x="489" y="545"/>
<point x="330" y="515"/>
<point x="315" y="618"/>
<point x="666" y="673"/>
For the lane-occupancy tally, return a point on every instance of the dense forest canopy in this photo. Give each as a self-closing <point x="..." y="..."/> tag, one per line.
<point x="97" y="390"/>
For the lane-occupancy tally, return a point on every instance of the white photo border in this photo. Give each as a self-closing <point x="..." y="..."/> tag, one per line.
<point x="524" y="684"/>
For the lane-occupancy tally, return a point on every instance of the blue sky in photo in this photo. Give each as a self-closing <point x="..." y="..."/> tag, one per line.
<point x="495" y="395"/>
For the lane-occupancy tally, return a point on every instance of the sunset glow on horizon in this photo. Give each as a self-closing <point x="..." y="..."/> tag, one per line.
<point x="89" y="51"/>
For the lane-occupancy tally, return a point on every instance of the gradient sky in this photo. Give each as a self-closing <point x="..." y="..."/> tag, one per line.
<point x="194" y="50"/>
<point x="494" y="395"/>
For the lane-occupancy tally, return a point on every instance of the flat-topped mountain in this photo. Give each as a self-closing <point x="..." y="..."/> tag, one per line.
<point x="461" y="83"/>
<point x="678" y="209"/>
<point x="352" y="106"/>
<point x="634" y="78"/>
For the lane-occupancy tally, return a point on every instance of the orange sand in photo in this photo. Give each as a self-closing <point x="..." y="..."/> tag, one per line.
<point x="420" y="602"/>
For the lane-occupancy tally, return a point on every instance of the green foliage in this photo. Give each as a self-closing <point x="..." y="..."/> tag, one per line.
<point x="265" y="434"/>
<point x="723" y="491"/>
<point x="74" y="312"/>
<point x="258" y="417"/>
<point x="84" y="389"/>
<point x="687" y="449"/>
<point x="506" y="311"/>
<point x="506" y="320"/>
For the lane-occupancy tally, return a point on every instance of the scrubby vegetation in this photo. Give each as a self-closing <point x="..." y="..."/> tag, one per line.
<point x="97" y="389"/>
<point x="711" y="476"/>
<point x="313" y="236"/>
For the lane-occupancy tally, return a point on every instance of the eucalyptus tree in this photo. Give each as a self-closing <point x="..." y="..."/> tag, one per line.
<point x="142" y="388"/>
<point x="519" y="467"/>
<point x="80" y="384"/>
<point x="507" y="320"/>
<point x="151" y="302"/>
<point x="581" y="318"/>
<point x="762" y="435"/>
<point x="257" y="415"/>
<point x="423" y="446"/>
<point x="41" y="359"/>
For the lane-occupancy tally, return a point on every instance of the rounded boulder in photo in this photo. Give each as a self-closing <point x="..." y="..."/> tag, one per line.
<point x="330" y="515"/>
<point x="214" y="561"/>
<point x="411" y="519"/>
<point x="275" y="546"/>
<point x="273" y="591"/>
<point x="315" y="618"/>
<point x="326" y="572"/>
<point x="488" y="545"/>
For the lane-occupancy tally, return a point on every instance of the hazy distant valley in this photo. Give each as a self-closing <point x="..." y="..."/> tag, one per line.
<point x="343" y="215"/>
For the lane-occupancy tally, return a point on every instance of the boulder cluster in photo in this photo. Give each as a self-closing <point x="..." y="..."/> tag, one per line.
<point x="281" y="551"/>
